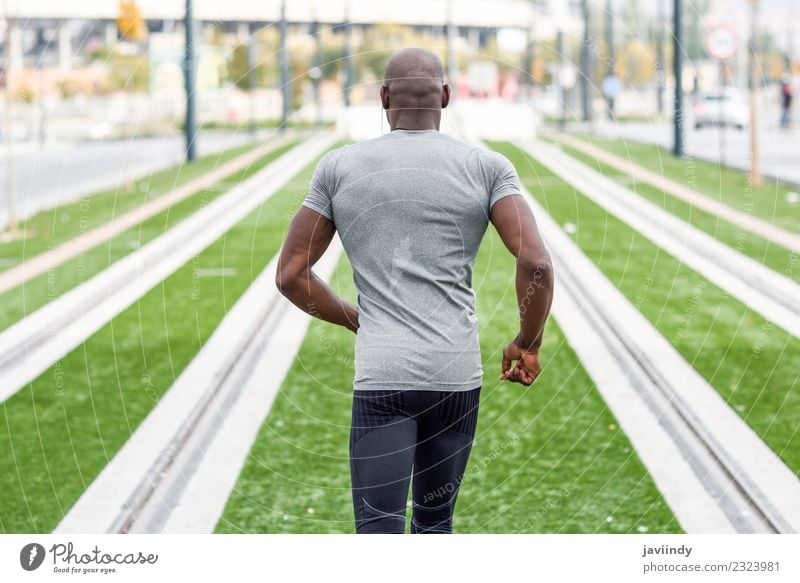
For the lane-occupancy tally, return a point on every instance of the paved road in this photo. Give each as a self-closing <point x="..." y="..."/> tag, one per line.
<point x="780" y="149"/>
<point x="62" y="172"/>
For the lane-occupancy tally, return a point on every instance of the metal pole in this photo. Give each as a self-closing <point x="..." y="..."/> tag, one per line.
<point x="452" y="62"/>
<point x="677" y="44"/>
<point x="755" y="153"/>
<point x="286" y="86"/>
<point x="11" y="164"/>
<point x="563" y="90"/>
<point x="660" y="72"/>
<point x="316" y="63"/>
<point x="11" y="159"/>
<point x="190" y="129"/>
<point x="41" y="103"/>
<point x="252" y="65"/>
<point x="348" y="57"/>
<point x="612" y="57"/>
<point x="528" y="66"/>
<point x="585" y="72"/>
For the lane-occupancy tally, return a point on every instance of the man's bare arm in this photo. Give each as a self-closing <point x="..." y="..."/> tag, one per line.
<point x="309" y="235"/>
<point x="514" y="221"/>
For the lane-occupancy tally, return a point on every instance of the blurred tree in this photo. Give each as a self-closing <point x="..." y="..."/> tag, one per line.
<point x="383" y="39"/>
<point x="125" y="72"/>
<point x="636" y="63"/>
<point x="130" y="23"/>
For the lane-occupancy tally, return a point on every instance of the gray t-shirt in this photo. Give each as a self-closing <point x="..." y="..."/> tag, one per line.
<point x="411" y="208"/>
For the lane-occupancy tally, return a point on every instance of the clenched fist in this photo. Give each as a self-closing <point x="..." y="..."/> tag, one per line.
<point x="519" y="365"/>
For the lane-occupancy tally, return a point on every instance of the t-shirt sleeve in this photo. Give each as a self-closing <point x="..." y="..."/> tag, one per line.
<point x="503" y="179"/>
<point x="320" y="191"/>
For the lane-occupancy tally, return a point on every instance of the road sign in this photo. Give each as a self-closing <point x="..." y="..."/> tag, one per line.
<point x="721" y="42"/>
<point x="612" y="86"/>
<point x="567" y="76"/>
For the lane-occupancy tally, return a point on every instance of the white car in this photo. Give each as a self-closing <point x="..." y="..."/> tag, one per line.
<point x="723" y="106"/>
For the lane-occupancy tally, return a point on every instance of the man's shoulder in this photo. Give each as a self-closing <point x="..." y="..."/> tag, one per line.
<point x="491" y="162"/>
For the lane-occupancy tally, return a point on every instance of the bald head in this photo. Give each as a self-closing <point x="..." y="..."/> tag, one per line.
<point x="414" y="90"/>
<point x="414" y="70"/>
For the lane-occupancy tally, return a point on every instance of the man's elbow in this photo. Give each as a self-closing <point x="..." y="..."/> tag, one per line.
<point x="287" y="280"/>
<point x="538" y="267"/>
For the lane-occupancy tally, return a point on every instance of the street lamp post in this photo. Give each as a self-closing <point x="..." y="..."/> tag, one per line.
<point x="11" y="160"/>
<point x="190" y="129"/>
<point x="252" y="81"/>
<point x="286" y="84"/>
<point x="562" y="121"/>
<point x="452" y="63"/>
<point x="316" y="72"/>
<point x="348" y="56"/>
<point x="586" y="97"/>
<point x="677" y="147"/>
<point x="755" y="154"/>
<point x="612" y="57"/>
<point x="660" y="72"/>
<point x="11" y="163"/>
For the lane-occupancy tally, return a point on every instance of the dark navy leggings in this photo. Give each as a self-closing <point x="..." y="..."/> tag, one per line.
<point x="400" y="436"/>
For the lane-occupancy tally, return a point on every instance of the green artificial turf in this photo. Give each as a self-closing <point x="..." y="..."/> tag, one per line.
<point x="32" y="295"/>
<point x="551" y="458"/>
<point x="770" y="254"/>
<point x="728" y="185"/>
<point x="60" y="431"/>
<point x="49" y="228"/>
<point x="752" y="363"/>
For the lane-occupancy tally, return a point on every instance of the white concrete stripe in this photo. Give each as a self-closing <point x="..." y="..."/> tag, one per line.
<point x="51" y="259"/>
<point x="32" y="345"/>
<point x="172" y="430"/>
<point x="695" y="509"/>
<point x="717" y="423"/>
<point x="684" y="242"/>
<point x="686" y="495"/>
<point x="203" y="500"/>
<point x="712" y="206"/>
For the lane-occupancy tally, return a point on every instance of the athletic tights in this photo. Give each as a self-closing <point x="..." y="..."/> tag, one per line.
<point x="397" y="437"/>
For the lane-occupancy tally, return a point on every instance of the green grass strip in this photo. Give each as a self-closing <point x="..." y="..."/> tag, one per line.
<point x="59" y="432"/>
<point x="52" y="227"/>
<point x="551" y="458"/>
<point x="752" y="363"/>
<point x="770" y="254"/>
<point x="32" y="295"/>
<point x="727" y="185"/>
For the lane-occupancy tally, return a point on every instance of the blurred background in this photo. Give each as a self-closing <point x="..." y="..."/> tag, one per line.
<point x="153" y="152"/>
<point x="109" y="70"/>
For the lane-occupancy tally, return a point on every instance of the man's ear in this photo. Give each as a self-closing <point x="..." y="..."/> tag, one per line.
<point x="385" y="97"/>
<point x="445" y="95"/>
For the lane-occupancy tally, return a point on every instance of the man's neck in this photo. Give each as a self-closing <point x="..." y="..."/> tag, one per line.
<point x="404" y="123"/>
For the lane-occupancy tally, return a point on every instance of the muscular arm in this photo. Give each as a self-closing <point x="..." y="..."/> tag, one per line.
<point x="309" y="235"/>
<point x="514" y="221"/>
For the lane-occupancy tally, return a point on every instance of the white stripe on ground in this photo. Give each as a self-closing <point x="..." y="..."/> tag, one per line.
<point x="179" y="467"/>
<point x="197" y="498"/>
<point x="684" y="492"/>
<point x="717" y="423"/>
<point x="43" y="262"/>
<point x="695" y="509"/>
<point x="739" y="275"/>
<point x="719" y="209"/>
<point x="32" y="345"/>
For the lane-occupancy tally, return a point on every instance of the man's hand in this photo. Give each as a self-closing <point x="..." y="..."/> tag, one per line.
<point x="525" y="366"/>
